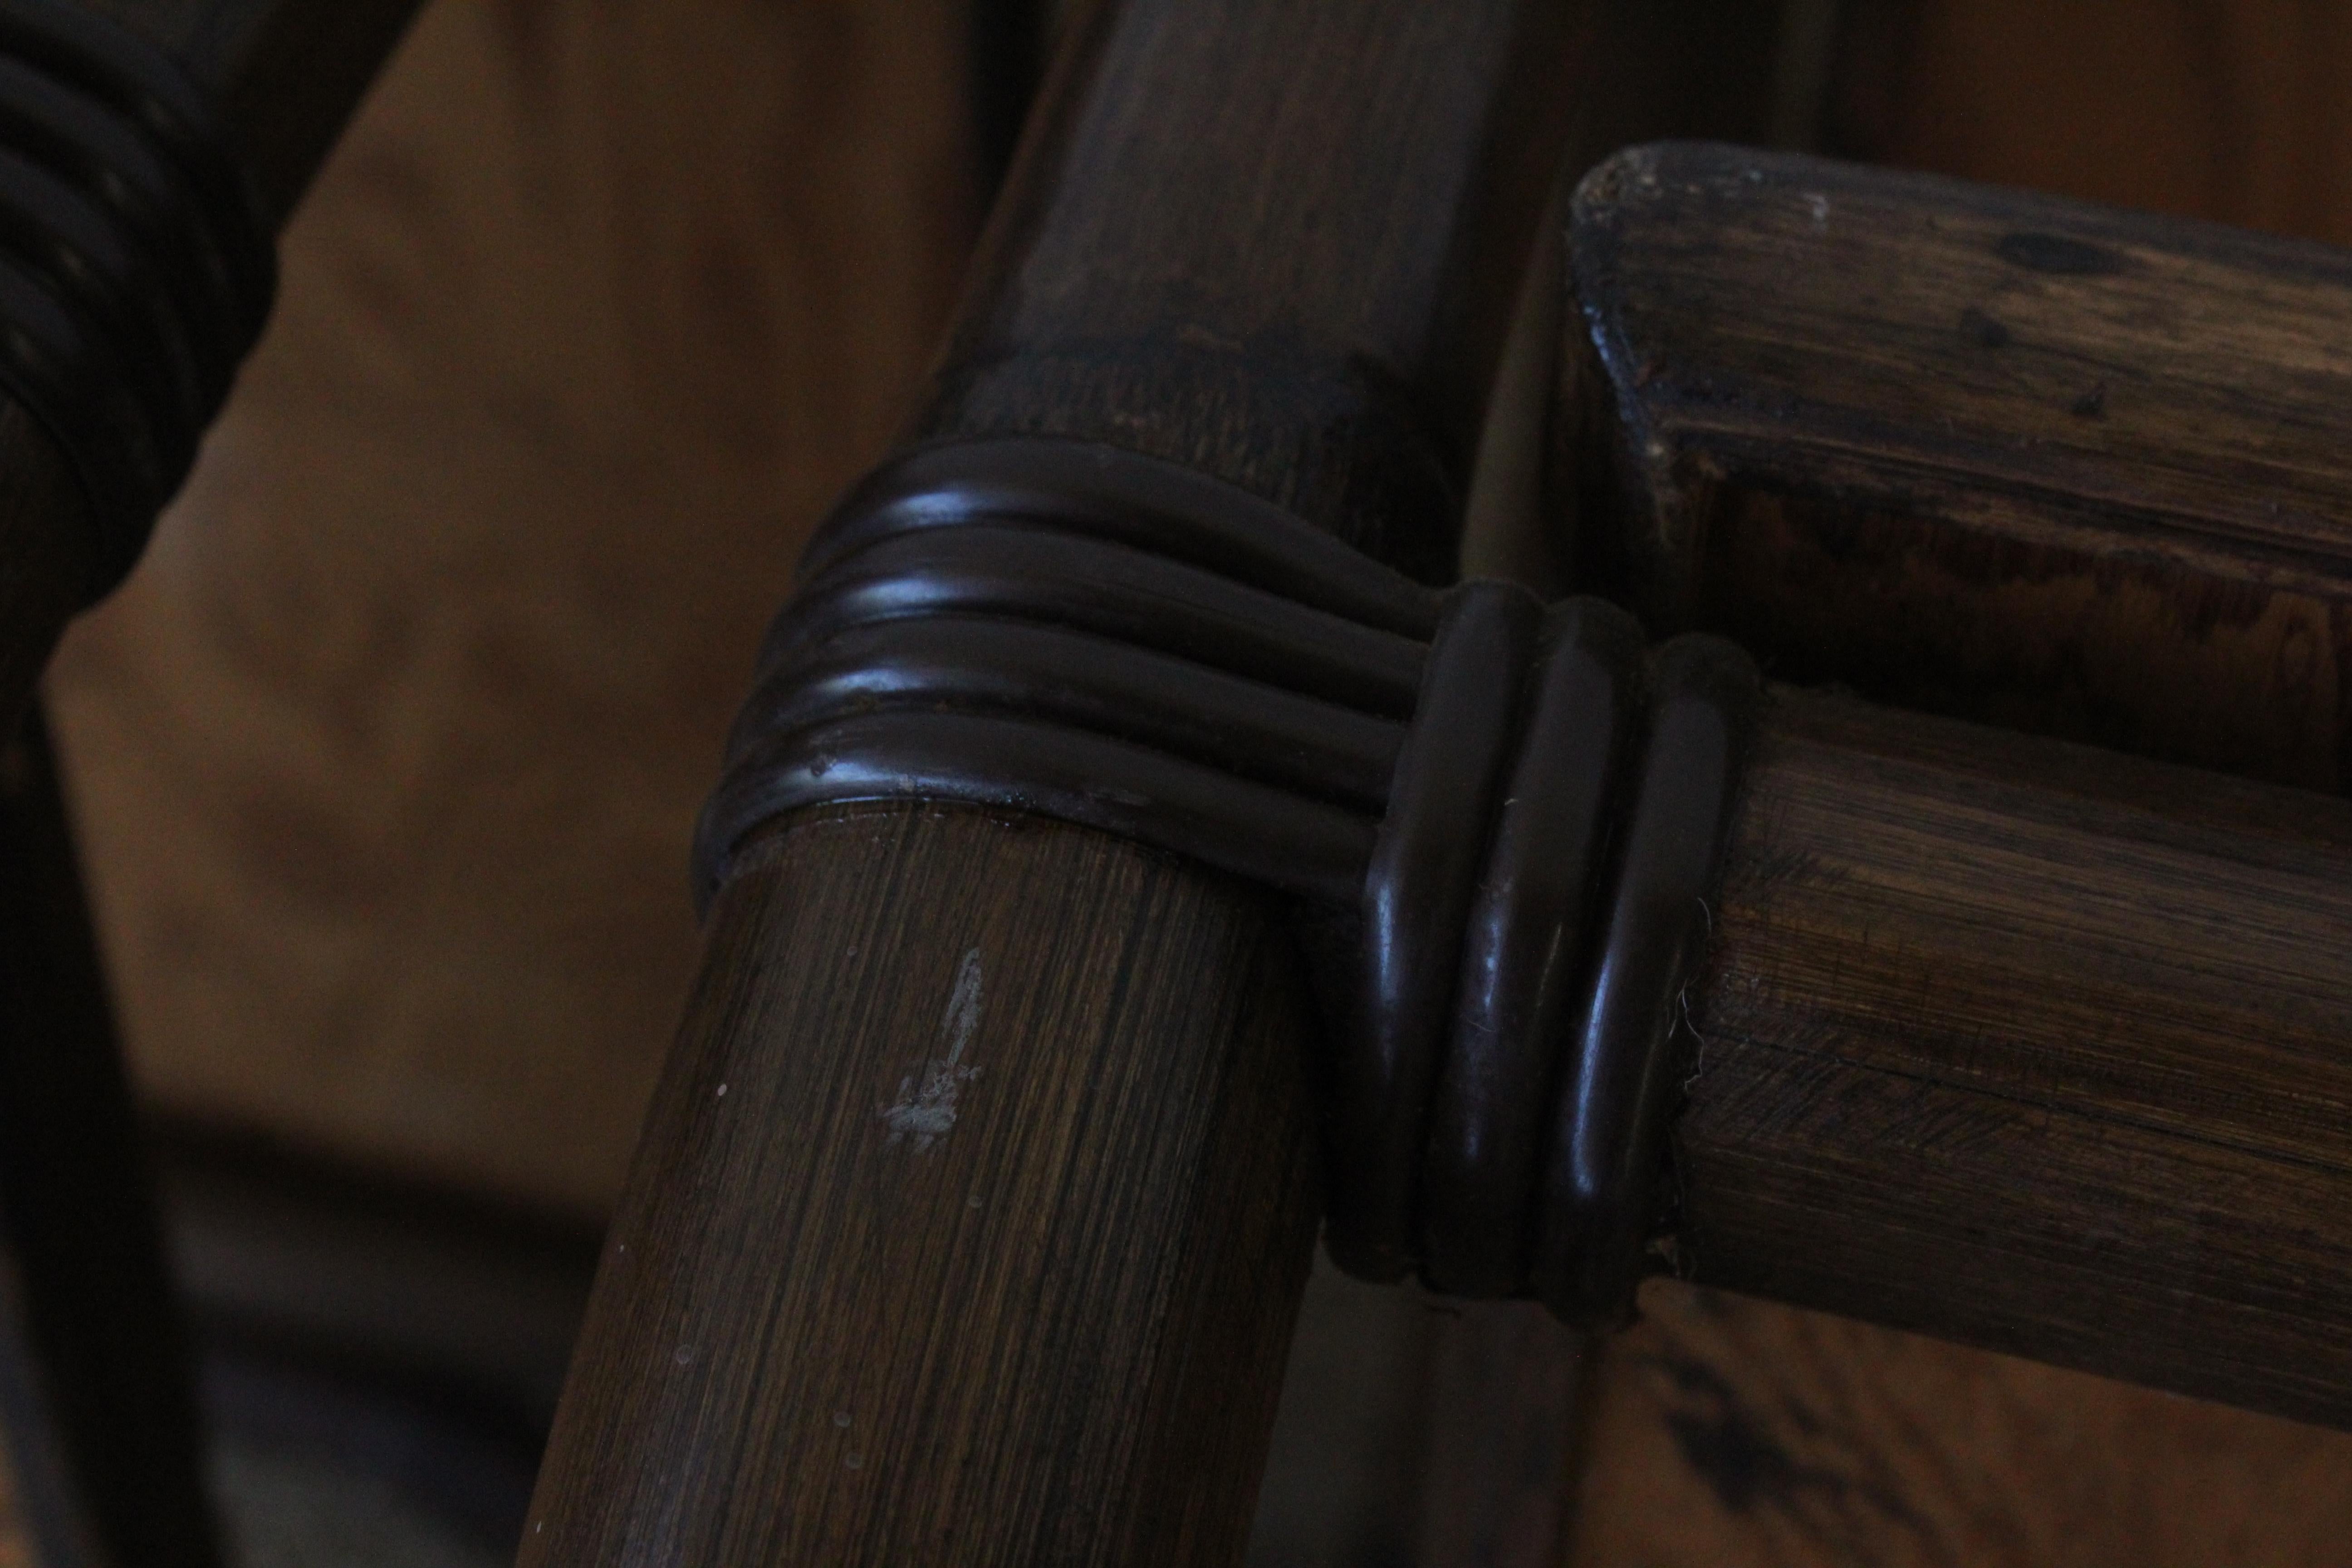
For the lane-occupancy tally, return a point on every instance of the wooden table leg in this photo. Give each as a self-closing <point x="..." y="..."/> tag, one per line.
<point x="78" y="1201"/>
<point x="973" y="1209"/>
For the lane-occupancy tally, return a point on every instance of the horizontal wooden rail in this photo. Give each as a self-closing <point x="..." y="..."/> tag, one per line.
<point x="2024" y="1045"/>
<point x="1994" y="454"/>
<point x="2032" y="1046"/>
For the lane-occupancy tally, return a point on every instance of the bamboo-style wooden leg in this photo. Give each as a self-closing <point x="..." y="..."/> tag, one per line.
<point x="968" y="1218"/>
<point x="1002" y="1268"/>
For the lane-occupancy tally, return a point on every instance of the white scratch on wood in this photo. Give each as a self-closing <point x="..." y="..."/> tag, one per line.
<point x="926" y="1111"/>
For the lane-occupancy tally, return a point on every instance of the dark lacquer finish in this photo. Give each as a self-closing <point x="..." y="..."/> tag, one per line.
<point x="1425" y="863"/>
<point x="1051" y="1328"/>
<point x="1525" y="948"/>
<point x="1625" y="1058"/>
<point x="139" y="268"/>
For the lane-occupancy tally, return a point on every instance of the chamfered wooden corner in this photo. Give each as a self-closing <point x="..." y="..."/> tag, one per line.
<point x="2006" y="456"/>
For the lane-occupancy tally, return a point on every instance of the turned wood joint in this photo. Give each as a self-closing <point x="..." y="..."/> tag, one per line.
<point x="1500" y="820"/>
<point x="136" y="267"/>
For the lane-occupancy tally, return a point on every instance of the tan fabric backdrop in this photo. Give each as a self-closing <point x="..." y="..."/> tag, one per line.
<point x="387" y="756"/>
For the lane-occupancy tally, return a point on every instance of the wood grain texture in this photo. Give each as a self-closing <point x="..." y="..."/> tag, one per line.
<point x="1249" y="298"/>
<point x="825" y="1333"/>
<point x="1728" y="1430"/>
<point x="1333" y="337"/>
<point x="2224" y="112"/>
<point x="388" y="755"/>
<point x="2054" y="467"/>
<point x="2034" y="1047"/>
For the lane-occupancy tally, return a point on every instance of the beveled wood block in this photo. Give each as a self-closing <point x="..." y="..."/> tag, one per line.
<point x="2020" y="459"/>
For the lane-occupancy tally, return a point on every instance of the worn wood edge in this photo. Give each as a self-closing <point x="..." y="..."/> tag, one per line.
<point x="1676" y="451"/>
<point x="2055" y="583"/>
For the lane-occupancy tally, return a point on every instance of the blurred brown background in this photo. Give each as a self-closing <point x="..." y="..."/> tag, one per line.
<point x="388" y="758"/>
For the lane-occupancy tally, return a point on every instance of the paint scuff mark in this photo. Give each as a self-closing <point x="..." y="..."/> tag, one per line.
<point x="926" y="1111"/>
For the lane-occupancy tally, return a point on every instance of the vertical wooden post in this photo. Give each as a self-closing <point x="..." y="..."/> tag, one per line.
<point x="121" y="1480"/>
<point x="971" y="1214"/>
<point x="77" y="1201"/>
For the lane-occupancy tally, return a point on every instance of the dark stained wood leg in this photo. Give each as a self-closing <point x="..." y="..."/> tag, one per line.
<point x="841" y="1329"/>
<point x="102" y="1404"/>
<point x="77" y="1199"/>
<point x="1049" y="1144"/>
